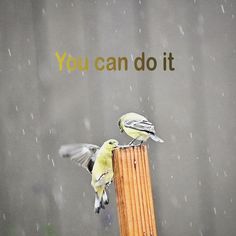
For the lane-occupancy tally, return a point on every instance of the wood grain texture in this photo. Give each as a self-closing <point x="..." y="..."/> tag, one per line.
<point x="134" y="192"/>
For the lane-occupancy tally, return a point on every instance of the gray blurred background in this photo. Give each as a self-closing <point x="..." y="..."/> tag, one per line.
<point x="193" y="172"/>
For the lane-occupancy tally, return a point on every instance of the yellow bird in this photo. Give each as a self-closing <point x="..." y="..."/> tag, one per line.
<point x="138" y="128"/>
<point x="98" y="162"/>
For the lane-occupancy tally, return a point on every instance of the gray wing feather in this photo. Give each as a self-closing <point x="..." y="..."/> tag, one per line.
<point x="141" y="125"/>
<point x="82" y="154"/>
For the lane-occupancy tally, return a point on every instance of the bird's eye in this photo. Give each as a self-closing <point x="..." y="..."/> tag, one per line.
<point x="111" y="142"/>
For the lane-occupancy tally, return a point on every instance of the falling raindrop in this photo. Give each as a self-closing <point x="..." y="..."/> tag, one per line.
<point x="87" y="123"/>
<point x="185" y="198"/>
<point x="222" y="8"/>
<point x="32" y="116"/>
<point x="9" y="52"/>
<point x="23" y="131"/>
<point x="132" y="57"/>
<point x="214" y="210"/>
<point x="181" y="29"/>
<point x="53" y="163"/>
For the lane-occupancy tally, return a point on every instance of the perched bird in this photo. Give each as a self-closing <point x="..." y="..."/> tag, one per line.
<point x="98" y="162"/>
<point x="137" y="127"/>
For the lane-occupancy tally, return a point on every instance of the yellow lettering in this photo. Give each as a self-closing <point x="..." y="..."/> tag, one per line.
<point x="60" y="60"/>
<point x="96" y="63"/>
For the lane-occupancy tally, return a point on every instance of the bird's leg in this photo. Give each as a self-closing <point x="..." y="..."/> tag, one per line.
<point x="132" y="141"/>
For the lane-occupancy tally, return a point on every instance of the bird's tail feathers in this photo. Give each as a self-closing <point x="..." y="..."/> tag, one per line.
<point x="156" y="139"/>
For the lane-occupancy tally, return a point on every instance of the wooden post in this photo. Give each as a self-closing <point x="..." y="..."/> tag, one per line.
<point x="134" y="192"/>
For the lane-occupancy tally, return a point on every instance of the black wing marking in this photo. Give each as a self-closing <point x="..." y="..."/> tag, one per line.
<point x="82" y="154"/>
<point x="141" y="125"/>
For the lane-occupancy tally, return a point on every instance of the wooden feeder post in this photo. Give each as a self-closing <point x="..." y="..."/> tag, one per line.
<point x="134" y="192"/>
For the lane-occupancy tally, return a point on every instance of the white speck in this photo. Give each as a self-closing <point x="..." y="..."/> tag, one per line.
<point x="130" y="88"/>
<point x="53" y="163"/>
<point x="194" y="1"/>
<point x="172" y="177"/>
<point x="82" y="73"/>
<point x="124" y="12"/>
<point x="48" y="157"/>
<point x="140" y="2"/>
<point x="197" y="158"/>
<point x="9" y="52"/>
<point x="23" y="131"/>
<point x="217" y="174"/>
<point x="116" y="31"/>
<point x="139" y="30"/>
<point x="132" y="57"/>
<point x="17" y="108"/>
<point x="61" y="188"/>
<point x="185" y="198"/>
<point x="106" y="3"/>
<point x="233" y="16"/>
<point x="36" y="139"/>
<point x="140" y="99"/>
<point x="9" y="153"/>
<point x="193" y="68"/>
<point x="214" y="210"/>
<point x="191" y="224"/>
<point x="200" y="183"/>
<point x="178" y="157"/>
<point x="223" y="94"/>
<point x="87" y="123"/>
<point x="43" y="11"/>
<point x="219" y="127"/>
<point x="56" y="5"/>
<point x="72" y="4"/>
<point x="153" y="167"/>
<point x="222" y="8"/>
<point x="29" y="62"/>
<point x="32" y="116"/>
<point x="231" y="200"/>
<point x="4" y="216"/>
<point x="191" y="135"/>
<point x="224" y="212"/>
<point x="181" y="29"/>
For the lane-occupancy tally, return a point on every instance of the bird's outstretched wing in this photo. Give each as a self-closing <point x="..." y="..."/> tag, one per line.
<point x="141" y="125"/>
<point x="82" y="154"/>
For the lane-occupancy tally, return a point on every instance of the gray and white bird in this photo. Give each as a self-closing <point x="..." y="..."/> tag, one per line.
<point x="138" y="128"/>
<point x="98" y="162"/>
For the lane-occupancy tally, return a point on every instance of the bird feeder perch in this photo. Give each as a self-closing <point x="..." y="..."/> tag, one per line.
<point x="134" y="192"/>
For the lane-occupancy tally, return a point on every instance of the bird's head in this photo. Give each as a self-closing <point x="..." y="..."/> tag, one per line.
<point x="120" y="125"/>
<point x="111" y="144"/>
